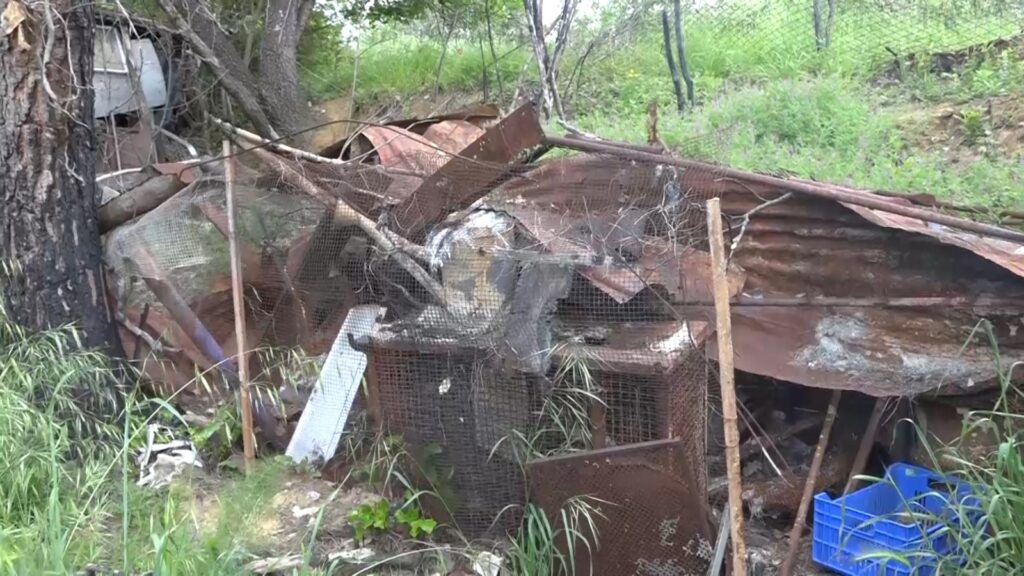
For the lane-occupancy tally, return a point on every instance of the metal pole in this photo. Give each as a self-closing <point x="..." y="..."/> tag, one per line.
<point x="834" y="193"/>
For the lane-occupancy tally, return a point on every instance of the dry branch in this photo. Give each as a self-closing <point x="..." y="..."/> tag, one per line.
<point x="138" y="201"/>
<point x="237" y="297"/>
<point x="864" y="450"/>
<point x="196" y="23"/>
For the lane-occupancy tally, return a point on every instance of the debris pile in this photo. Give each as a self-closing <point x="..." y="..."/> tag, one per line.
<point x="538" y="330"/>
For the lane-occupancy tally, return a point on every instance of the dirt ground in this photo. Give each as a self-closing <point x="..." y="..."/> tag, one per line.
<point x="968" y="132"/>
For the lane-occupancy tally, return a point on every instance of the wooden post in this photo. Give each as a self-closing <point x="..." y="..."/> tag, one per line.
<point x="248" y="441"/>
<point x="727" y="379"/>
<point x="861" y="460"/>
<point x="812" y="477"/>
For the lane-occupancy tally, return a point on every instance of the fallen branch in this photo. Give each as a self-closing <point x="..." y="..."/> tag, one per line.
<point x="392" y="244"/>
<point x="257" y="139"/>
<point x="746" y="218"/>
<point x="138" y="200"/>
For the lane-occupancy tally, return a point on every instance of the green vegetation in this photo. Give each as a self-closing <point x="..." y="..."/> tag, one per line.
<point x="543" y="549"/>
<point x="766" y="98"/>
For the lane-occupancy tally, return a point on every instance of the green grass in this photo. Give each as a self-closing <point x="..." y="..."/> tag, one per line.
<point x="766" y="98"/>
<point x="394" y="65"/>
<point x="67" y="488"/>
<point x="827" y="128"/>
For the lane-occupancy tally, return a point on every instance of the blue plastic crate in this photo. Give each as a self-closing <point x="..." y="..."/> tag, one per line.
<point x="910" y="513"/>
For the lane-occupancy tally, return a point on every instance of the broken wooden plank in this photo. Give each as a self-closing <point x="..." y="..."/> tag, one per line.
<point x="467" y="176"/>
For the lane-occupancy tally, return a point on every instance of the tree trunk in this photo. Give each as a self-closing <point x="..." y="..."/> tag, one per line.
<point x="283" y="97"/>
<point x="47" y="172"/>
<point x="667" y="39"/>
<point x="275" y="103"/>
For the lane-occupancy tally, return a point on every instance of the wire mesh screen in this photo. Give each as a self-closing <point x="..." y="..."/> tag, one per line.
<point x="556" y="330"/>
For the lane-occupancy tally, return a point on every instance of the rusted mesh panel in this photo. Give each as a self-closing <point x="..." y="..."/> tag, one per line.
<point x="454" y="410"/>
<point x="654" y="521"/>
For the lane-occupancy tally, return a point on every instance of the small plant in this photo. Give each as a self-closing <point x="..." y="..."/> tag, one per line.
<point x="543" y="549"/>
<point x="378" y="517"/>
<point x="216" y="439"/>
<point x="371" y="517"/>
<point x="410" y="515"/>
<point x="973" y="125"/>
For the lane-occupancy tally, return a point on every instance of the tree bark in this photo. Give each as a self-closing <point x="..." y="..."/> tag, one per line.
<point x="684" y="66"/>
<point x="47" y="173"/>
<point x="283" y="97"/>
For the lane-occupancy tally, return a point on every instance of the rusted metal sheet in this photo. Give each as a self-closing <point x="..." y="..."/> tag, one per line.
<point x="476" y="115"/>
<point x="803" y="247"/>
<point x="453" y="135"/>
<point x="410" y="156"/>
<point x="655" y="518"/>
<point x="1009" y="255"/>
<point x="399" y="149"/>
<point x="466" y="177"/>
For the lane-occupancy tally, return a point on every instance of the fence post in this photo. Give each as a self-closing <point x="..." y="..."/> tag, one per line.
<point x="727" y="379"/>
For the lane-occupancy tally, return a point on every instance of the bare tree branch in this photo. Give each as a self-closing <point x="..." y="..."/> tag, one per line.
<point x="198" y="25"/>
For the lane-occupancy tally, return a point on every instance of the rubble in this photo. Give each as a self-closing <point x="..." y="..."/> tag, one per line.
<point x="539" y="320"/>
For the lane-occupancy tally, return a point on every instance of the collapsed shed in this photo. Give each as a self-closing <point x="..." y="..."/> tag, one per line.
<point x="553" y="318"/>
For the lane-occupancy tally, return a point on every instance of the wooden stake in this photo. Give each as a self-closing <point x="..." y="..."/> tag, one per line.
<point x="861" y="460"/>
<point x="248" y="441"/>
<point x="727" y="379"/>
<point x="812" y="477"/>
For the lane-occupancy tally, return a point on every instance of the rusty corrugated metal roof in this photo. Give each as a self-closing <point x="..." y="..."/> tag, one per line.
<point x="803" y="247"/>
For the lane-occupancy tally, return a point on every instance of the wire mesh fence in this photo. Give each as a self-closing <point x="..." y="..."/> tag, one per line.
<point x="855" y="33"/>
